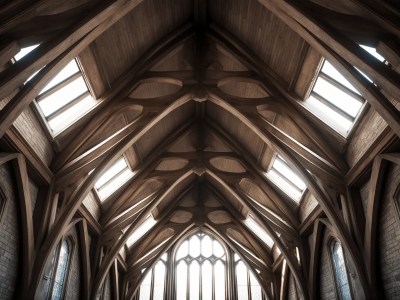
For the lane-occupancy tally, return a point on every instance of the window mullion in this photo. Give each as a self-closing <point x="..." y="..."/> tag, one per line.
<point x="343" y="88"/>
<point x="112" y="178"/>
<point x="67" y="106"/>
<point x="288" y="181"/>
<point x="333" y="107"/>
<point x="59" y="86"/>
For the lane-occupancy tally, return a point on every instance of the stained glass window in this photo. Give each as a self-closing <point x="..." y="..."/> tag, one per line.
<point x="339" y="267"/>
<point x="61" y="271"/>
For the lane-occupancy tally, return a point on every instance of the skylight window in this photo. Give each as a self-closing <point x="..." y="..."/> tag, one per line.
<point x="286" y="179"/>
<point x="259" y="231"/>
<point x="65" y="99"/>
<point x="141" y="230"/>
<point x="335" y="100"/>
<point x="113" y="179"/>
<point x="24" y="51"/>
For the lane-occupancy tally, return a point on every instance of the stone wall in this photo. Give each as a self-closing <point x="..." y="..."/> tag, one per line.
<point x="326" y="280"/>
<point x="389" y="237"/>
<point x="9" y="237"/>
<point x="92" y="205"/>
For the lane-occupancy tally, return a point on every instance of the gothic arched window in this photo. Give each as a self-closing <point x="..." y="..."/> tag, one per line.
<point x="60" y="272"/>
<point x="248" y="287"/>
<point x="200" y="268"/>
<point x="153" y="285"/>
<point x="200" y="265"/>
<point x="339" y="268"/>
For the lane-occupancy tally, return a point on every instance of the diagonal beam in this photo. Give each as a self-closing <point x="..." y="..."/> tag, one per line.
<point x="270" y="82"/>
<point x="67" y="212"/>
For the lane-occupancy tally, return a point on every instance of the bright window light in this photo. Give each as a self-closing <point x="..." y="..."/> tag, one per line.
<point x="113" y="179"/>
<point x="69" y="70"/>
<point x="335" y="100"/>
<point x="373" y="52"/>
<point x="65" y="99"/>
<point x="286" y="179"/>
<point x="257" y="229"/>
<point x="24" y="51"/>
<point x="141" y="230"/>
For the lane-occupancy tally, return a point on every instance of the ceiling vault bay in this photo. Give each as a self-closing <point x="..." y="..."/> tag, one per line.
<point x="199" y="96"/>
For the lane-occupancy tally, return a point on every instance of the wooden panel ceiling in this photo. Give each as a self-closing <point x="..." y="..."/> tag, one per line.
<point x="265" y="34"/>
<point x="120" y="46"/>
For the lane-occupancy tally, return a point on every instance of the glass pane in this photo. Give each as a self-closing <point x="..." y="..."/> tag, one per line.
<point x="337" y="97"/>
<point x="206" y="246"/>
<point x="285" y="186"/>
<point x="159" y="281"/>
<point x="241" y="279"/>
<point x="219" y="273"/>
<point x="329" y="116"/>
<point x="60" y="276"/>
<point x="257" y="229"/>
<point x="281" y="166"/>
<point x="117" y="167"/>
<point x="115" y="184"/>
<point x="24" y="51"/>
<point x="194" y="246"/>
<point x="69" y="116"/>
<point x="218" y="250"/>
<point x="145" y="287"/>
<point x="330" y="70"/>
<point x="183" y="250"/>
<point x="181" y="280"/>
<point x="340" y="272"/>
<point x="373" y="52"/>
<point x="141" y="230"/>
<point x="256" y="293"/>
<point x="63" y="96"/>
<point x="194" y="280"/>
<point x="68" y="71"/>
<point x="206" y="277"/>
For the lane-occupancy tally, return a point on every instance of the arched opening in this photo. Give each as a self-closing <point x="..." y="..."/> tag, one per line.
<point x="198" y="268"/>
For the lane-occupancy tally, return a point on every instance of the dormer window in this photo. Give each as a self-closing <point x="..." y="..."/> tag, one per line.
<point x="113" y="179"/>
<point x="141" y="231"/>
<point x="286" y="179"/>
<point x="335" y="100"/>
<point x="252" y="224"/>
<point x="65" y="99"/>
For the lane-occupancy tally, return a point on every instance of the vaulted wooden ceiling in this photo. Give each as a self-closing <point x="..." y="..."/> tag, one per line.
<point x="199" y="96"/>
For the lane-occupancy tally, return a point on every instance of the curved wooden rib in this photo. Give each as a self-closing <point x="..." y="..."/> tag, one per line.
<point x="345" y="66"/>
<point x="318" y="191"/>
<point x="78" y="196"/>
<point x="275" y="88"/>
<point x="21" y="176"/>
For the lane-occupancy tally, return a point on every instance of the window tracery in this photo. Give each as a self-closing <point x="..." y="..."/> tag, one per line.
<point x="200" y="265"/>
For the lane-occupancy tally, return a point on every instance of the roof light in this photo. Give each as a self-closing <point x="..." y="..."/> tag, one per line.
<point x="113" y="178"/>
<point x="286" y="179"/>
<point x="259" y="231"/>
<point x="335" y="100"/>
<point x="141" y="230"/>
